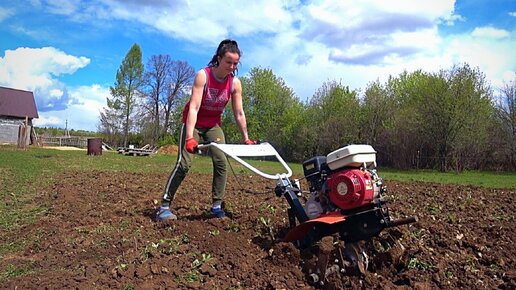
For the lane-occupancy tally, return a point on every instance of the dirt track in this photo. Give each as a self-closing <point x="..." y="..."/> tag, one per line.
<point x="99" y="234"/>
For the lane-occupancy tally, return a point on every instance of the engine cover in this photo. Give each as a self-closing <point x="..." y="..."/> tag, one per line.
<point x="351" y="188"/>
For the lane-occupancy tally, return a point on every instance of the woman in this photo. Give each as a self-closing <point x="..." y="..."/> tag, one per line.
<point x="213" y="87"/>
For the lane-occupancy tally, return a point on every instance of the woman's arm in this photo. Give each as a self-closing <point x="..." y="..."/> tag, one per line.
<point x="195" y="102"/>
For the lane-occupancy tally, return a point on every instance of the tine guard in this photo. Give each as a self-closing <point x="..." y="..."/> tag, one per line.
<point x="300" y="231"/>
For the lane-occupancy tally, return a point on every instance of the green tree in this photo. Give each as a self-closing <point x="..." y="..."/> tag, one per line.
<point x="408" y="141"/>
<point x="334" y="118"/>
<point x="471" y="111"/>
<point x="121" y="104"/>
<point x="378" y="114"/>
<point x="269" y="107"/>
<point x="378" y="108"/>
<point x="441" y="120"/>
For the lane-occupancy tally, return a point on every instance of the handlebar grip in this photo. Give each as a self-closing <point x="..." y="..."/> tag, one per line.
<point x="200" y="146"/>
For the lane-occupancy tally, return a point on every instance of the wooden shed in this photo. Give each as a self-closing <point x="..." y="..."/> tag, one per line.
<point x="16" y="106"/>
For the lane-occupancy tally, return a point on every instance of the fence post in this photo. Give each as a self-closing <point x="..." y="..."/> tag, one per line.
<point x="22" y="134"/>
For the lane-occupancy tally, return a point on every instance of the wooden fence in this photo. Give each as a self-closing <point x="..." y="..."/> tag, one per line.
<point x="80" y="142"/>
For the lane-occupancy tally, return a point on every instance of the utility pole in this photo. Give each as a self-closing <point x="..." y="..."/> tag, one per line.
<point x="67" y="134"/>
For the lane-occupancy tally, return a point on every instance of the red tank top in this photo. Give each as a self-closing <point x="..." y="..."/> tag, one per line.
<point x="215" y="97"/>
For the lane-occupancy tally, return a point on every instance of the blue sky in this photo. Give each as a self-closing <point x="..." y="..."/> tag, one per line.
<point x="67" y="51"/>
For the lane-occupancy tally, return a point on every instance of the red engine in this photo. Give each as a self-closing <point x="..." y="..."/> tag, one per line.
<point x="351" y="188"/>
<point x="345" y="180"/>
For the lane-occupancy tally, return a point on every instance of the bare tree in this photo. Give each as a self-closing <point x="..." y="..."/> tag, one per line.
<point x="158" y="80"/>
<point x="508" y="108"/>
<point x="111" y="127"/>
<point x="506" y="115"/>
<point x="181" y="77"/>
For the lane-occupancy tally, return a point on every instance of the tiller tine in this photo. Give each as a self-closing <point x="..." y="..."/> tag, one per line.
<point x="338" y="257"/>
<point x="321" y="269"/>
<point x="357" y="259"/>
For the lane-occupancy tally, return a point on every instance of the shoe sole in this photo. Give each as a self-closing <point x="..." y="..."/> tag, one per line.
<point x="171" y="217"/>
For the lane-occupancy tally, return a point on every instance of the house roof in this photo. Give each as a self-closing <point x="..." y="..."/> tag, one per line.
<point x="17" y="103"/>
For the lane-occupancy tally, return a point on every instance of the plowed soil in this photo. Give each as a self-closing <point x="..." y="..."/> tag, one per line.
<point x="100" y="233"/>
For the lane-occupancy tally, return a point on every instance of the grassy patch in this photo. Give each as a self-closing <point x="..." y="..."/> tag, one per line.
<point x="476" y="178"/>
<point x="23" y="173"/>
<point x="12" y="271"/>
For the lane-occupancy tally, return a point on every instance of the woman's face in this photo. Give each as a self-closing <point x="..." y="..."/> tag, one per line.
<point x="229" y="62"/>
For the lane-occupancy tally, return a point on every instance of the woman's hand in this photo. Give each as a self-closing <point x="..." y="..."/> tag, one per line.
<point x="191" y="144"/>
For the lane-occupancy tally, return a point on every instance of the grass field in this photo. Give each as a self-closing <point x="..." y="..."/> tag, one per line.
<point x="475" y="178"/>
<point x="18" y="166"/>
<point x="22" y="173"/>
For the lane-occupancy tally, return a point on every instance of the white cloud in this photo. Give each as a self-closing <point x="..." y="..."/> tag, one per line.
<point x="373" y="32"/>
<point x="355" y="43"/>
<point x="63" y="7"/>
<point x="37" y="69"/>
<point x="56" y="93"/>
<point x="495" y="57"/>
<point x="196" y="21"/>
<point x="490" y="32"/>
<point x="513" y="14"/>
<point x="5" y="13"/>
<point x="82" y="112"/>
<point x="37" y="33"/>
<point x="47" y="121"/>
<point x="360" y="42"/>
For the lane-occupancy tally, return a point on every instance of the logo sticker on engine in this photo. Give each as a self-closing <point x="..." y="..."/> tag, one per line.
<point x="342" y="188"/>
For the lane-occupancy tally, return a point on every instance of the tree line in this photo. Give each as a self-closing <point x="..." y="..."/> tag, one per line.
<point x="447" y="120"/>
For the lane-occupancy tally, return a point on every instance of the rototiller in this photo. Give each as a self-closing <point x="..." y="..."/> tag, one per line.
<point x="344" y="200"/>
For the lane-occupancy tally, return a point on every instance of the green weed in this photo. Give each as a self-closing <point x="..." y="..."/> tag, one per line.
<point x="266" y="222"/>
<point x="434" y="209"/>
<point x="414" y="263"/>
<point x="418" y="233"/>
<point x="471" y="265"/>
<point x="452" y="218"/>
<point x="205" y="257"/>
<point x="214" y="232"/>
<point x="233" y="227"/>
<point x="164" y="246"/>
<point x="268" y="208"/>
<point x="13" y="271"/>
<point x="191" y="276"/>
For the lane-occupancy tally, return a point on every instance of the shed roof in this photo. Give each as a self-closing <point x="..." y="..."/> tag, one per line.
<point x="17" y="103"/>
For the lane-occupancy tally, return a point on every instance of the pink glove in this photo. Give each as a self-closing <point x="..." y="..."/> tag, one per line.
<point x="191" y="144"/>
<point x="249" y="142"/>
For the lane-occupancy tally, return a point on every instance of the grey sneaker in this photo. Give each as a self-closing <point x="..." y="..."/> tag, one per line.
<point x="164" y="213"/>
